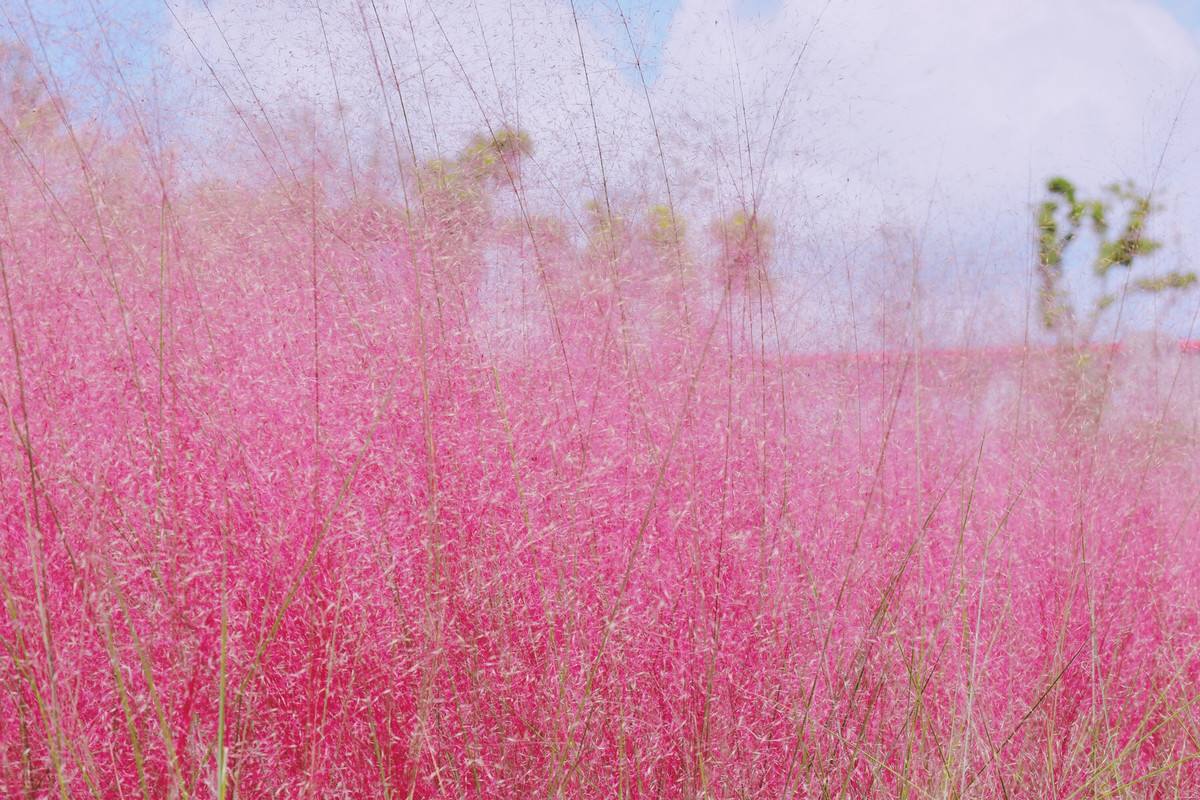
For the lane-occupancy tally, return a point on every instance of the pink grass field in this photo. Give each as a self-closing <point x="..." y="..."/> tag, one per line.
<point x="314" y="496"/>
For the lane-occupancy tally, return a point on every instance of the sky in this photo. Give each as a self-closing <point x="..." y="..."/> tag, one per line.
<point x="136" y="17"/>
<point x="914" y="129"/>
<point x="1188" y="11"/>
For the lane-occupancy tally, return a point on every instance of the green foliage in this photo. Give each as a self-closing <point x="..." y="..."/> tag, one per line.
<point x="666" y="228"/>
<point x="746" y="243"/>
<point x="493" y="155"/>
<point x="750" y="234"/>
<point x="601" y="219"/>
<point x="607" y="231"/>
<point x="25" y="105"/>
<point x="456" y="191"/>
<point x="1063" y="216"/>
<point x="449" y="178"/>
<point x="1162" y="283"/>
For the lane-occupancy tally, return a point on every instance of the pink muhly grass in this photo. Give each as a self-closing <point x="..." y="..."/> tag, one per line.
<point x="313" y="497"/>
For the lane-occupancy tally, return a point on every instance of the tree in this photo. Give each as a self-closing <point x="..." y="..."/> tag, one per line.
<point x="25" y="105"/>
<point x="1061" y="218"/>
<point x="457" y="193"/>
<point x="496" y="156"/>
<point x="746" y="242"/>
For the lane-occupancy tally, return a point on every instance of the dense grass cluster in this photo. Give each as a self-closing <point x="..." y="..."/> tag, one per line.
<point x="316" y="493"/>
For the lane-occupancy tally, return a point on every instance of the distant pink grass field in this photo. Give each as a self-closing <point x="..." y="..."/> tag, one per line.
<point x="312" y="498"/>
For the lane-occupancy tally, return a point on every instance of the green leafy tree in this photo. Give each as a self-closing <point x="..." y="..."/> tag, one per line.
<point x="746" y="242"/>
<point x="1061" y="218"/>
<point x="667" y="229"/>
<point x="457" y="191"/>
<point x="496" y="156"/>
<point x="26" y="107"/>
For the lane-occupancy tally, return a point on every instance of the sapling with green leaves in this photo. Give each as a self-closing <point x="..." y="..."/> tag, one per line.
<point x="1062" y="218"/>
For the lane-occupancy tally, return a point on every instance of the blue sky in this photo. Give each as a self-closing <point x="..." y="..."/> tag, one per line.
<point x="1188" y="12"/>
